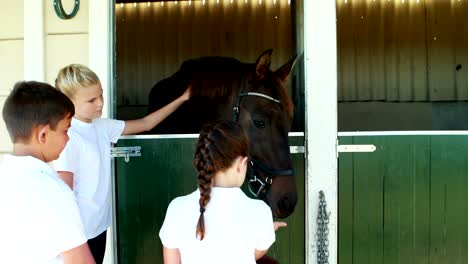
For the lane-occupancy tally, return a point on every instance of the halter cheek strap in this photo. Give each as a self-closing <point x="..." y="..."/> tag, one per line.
<point x="235" y="109"/>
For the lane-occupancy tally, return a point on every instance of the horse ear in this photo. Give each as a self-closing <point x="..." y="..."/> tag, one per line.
<point x="284" y="71"/>
<point x="262" y="65"/>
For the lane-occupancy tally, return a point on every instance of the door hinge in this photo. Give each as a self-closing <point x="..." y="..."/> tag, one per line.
<point x="126" y="152"/>
<point x="354" y="148"/>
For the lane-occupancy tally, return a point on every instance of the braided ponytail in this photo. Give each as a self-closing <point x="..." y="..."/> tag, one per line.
<point x="218" y="146"/>
<point x="204" y="166"/>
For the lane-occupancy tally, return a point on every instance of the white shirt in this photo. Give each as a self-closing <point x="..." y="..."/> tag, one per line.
<point x="39" y="216"/>
<point x="87" y="155"/>
<point x="235" y="226"/>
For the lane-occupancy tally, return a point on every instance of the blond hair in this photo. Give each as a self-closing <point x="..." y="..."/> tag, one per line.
<point x="75" y="76"/>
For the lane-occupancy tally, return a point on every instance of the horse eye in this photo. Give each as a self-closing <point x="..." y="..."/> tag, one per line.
<point x="259" y="123"/>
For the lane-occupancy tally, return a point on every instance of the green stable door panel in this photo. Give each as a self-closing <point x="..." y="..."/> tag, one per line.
<point x="145" y="186"/>
<point x="407" y="202"/>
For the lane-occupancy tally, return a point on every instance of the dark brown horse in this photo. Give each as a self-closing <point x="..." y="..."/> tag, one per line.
<point x="254" y="96"/>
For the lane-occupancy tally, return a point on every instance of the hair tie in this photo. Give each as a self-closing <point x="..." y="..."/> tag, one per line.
<point x="202" y="210"/>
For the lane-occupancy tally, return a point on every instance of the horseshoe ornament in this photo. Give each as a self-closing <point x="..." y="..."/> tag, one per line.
<point x="61" y="12"/>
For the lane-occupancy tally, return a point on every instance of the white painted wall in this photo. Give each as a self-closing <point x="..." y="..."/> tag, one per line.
<point x="11" y="19"/>
<point x="66" y="40"/>
<point x="11" y="57"/>
<point x="34" y="56"/>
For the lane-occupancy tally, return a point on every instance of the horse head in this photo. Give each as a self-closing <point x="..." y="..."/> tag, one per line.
<point x="254" y="96"/>
<point x="265" y="111"/>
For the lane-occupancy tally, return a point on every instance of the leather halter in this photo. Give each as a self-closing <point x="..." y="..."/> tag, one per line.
<point x="261" y="184"/>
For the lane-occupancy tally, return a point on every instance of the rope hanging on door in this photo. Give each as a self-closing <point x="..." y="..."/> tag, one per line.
<point x="58" y="7"/>
<point x="322" y="230"/>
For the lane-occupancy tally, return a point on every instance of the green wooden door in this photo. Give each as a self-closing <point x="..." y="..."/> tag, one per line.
<point x="407" y="202"/>
<point x="146" y="185"/>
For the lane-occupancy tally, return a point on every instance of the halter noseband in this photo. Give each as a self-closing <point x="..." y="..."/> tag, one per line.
<point x="263" y="184"/>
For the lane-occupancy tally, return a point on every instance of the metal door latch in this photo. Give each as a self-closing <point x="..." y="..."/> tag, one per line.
<point x="354" y="148"/>
<point x="296" y="149"/>
<point x="126" y="152"/>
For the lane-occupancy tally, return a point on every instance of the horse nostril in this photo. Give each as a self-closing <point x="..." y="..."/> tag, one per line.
<point x="286" y="205"/>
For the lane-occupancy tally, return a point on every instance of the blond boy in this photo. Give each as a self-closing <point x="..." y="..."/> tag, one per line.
<point x="85" y="163"/>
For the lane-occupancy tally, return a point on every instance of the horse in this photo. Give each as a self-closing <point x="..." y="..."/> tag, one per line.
<point x="250" y="94"/>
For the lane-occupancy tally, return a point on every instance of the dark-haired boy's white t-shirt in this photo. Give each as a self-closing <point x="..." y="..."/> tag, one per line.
<point x="236" y="226"/>
<point x="39" y="215"/>
<point x="87" y="155"/>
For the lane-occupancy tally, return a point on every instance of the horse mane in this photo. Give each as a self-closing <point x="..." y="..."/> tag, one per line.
<point x="216" y="77"/>
<point x="212" y="77"/>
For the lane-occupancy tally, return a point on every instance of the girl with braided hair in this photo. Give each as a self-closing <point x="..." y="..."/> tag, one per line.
<point x="218" y="223"/>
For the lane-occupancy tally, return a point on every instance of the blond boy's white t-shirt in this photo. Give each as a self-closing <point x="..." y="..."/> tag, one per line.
<point x="87" y="155"/>
<point x="235" y="225"/>
<point x="40" y="218"/>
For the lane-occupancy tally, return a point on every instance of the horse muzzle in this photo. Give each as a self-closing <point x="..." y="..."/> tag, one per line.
<point x="285" y="205"/>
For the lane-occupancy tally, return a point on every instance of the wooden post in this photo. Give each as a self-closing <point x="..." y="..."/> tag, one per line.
<point x="321" y="119"/>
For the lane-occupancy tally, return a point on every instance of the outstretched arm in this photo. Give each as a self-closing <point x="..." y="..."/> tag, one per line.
<point x="67" y="177"/>
<point x="260" y="253"/>
<point x="276" y="225"/>
<point x="78" y="255"/>
<point x="171" y="255"/>
<point x="148" y="122"/>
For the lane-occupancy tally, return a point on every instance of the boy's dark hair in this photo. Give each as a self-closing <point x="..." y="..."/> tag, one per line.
<point x="31" y="104"/>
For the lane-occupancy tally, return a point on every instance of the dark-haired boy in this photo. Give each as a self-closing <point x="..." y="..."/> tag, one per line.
<point x="40" y="221"/>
